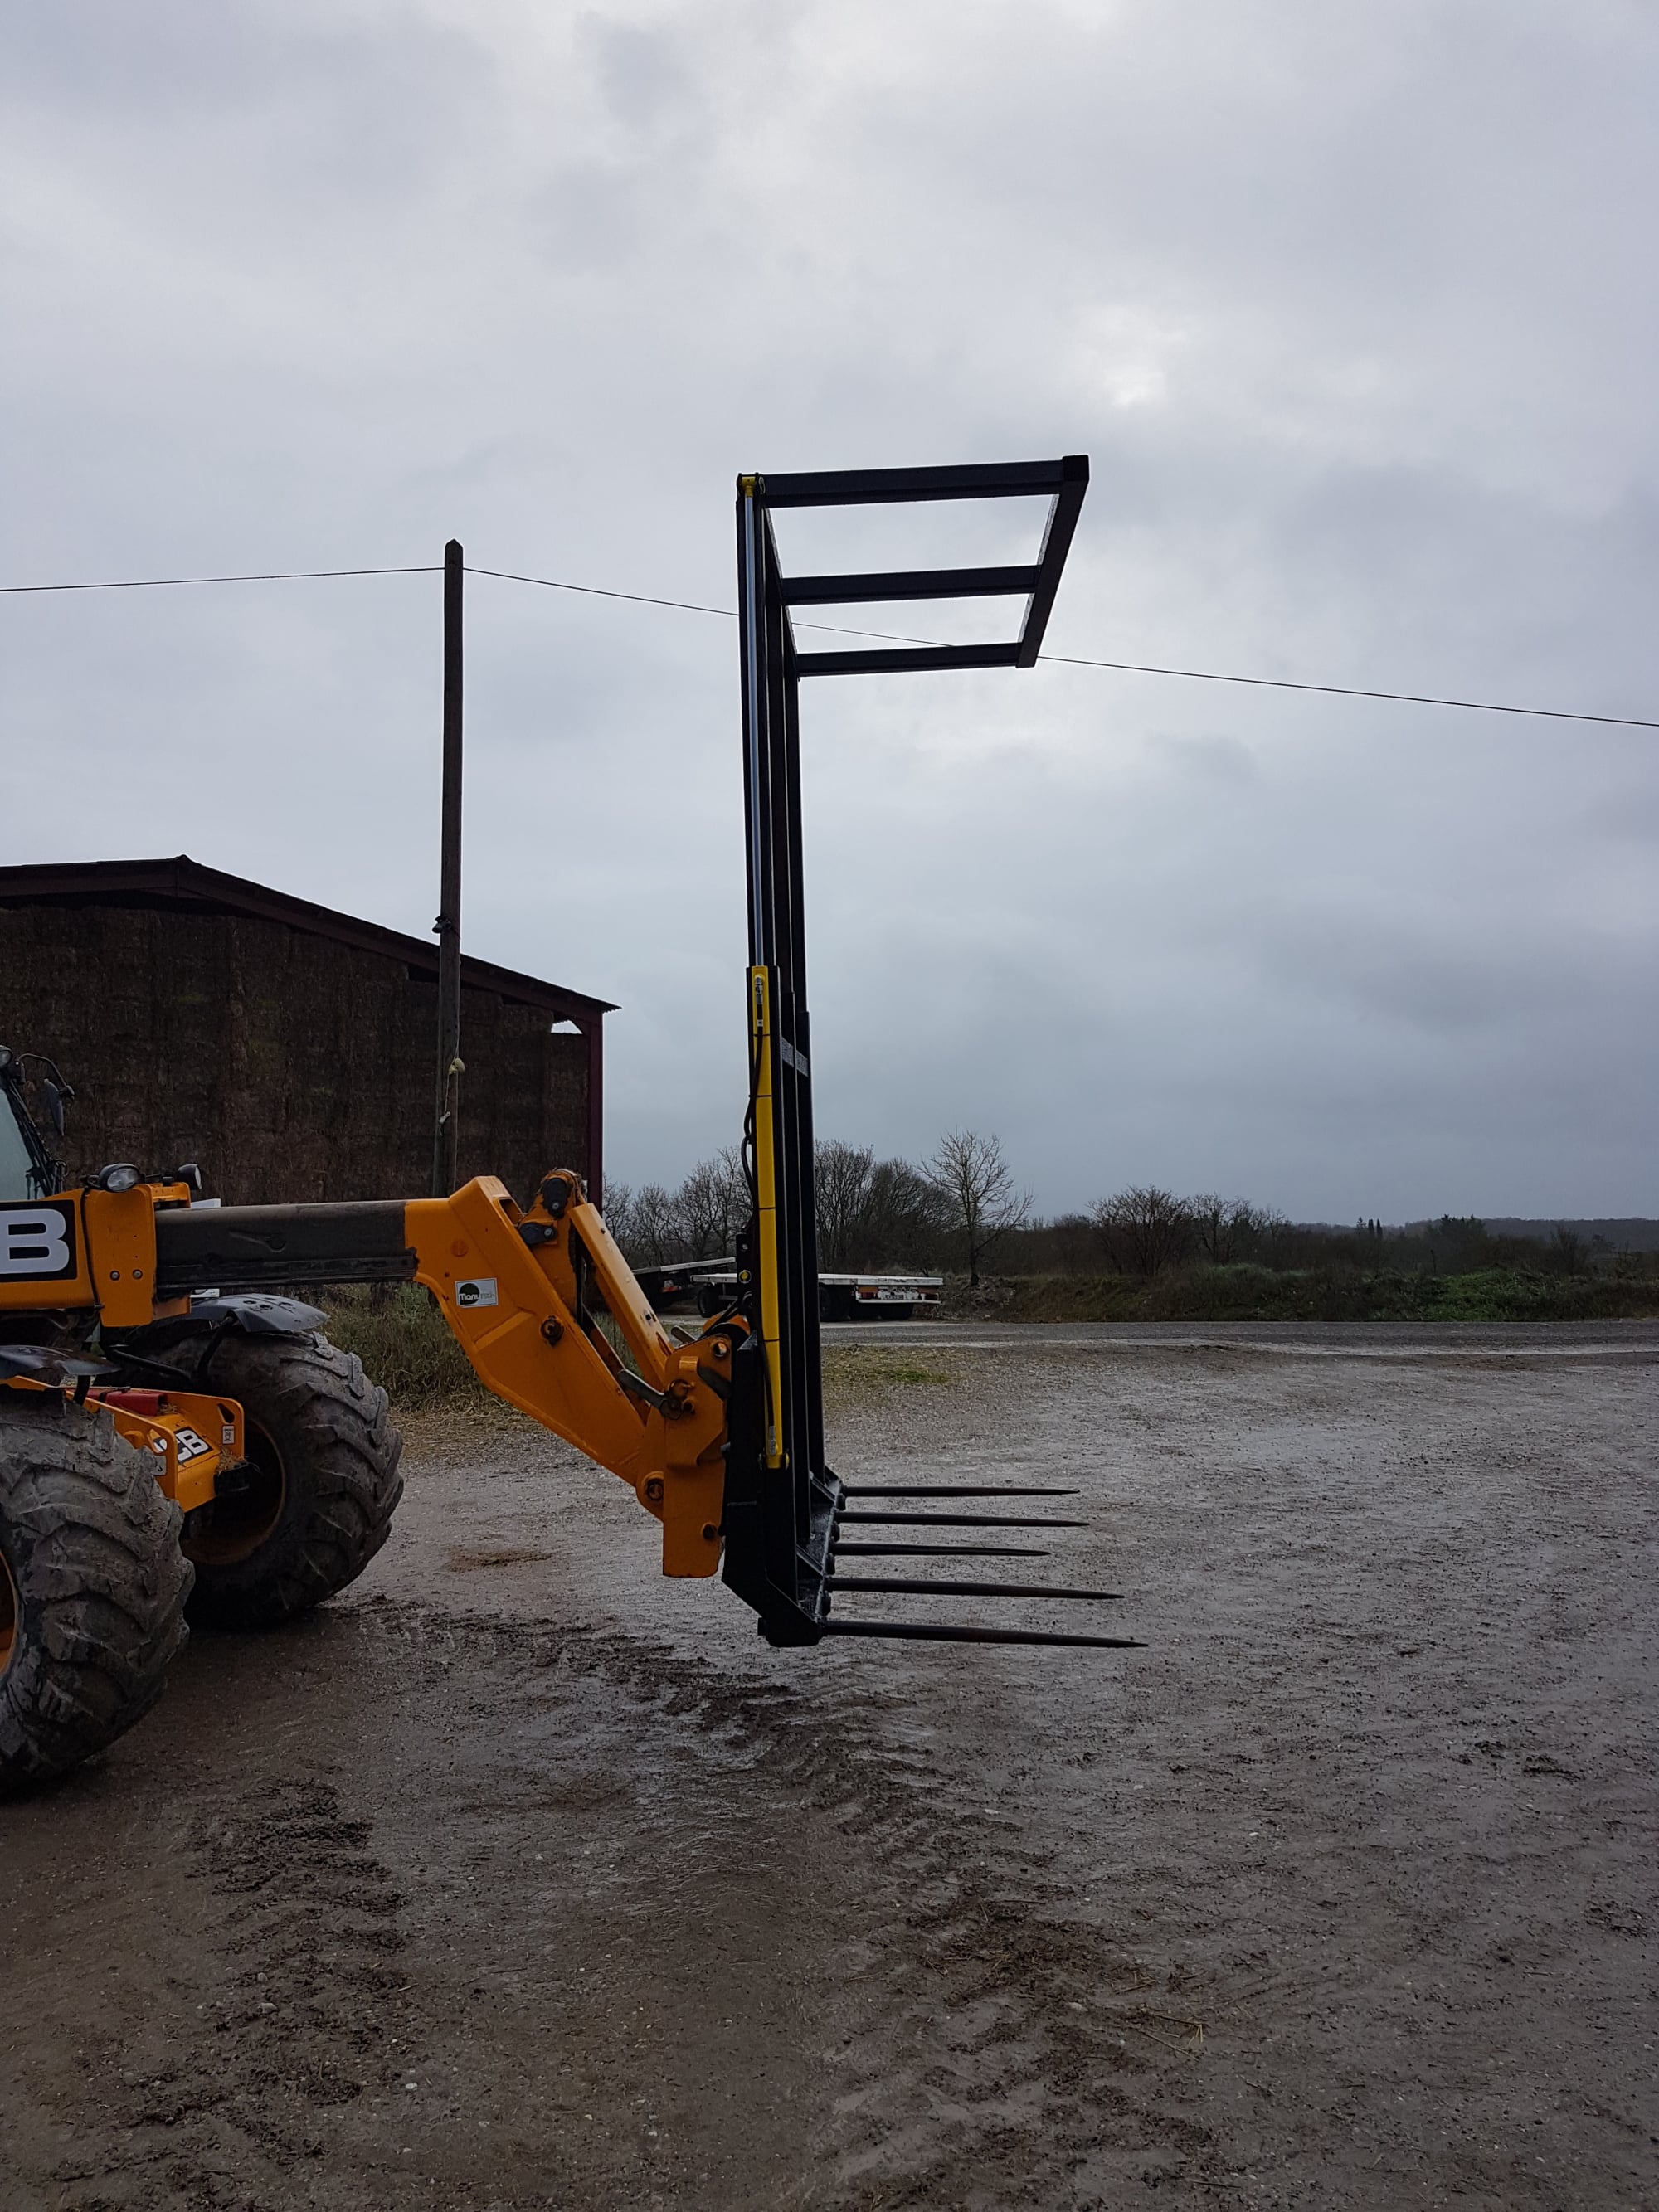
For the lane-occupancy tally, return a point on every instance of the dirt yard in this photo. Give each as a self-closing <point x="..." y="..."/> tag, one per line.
<point x="518" y="1878"/>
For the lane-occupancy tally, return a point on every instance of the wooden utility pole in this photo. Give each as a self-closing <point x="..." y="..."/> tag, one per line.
<point x="445" y="1145"/>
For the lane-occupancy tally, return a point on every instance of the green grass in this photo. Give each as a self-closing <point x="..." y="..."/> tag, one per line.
<point x="1251" y="1293"/>
<point x="855" y="1373"/>
<point x="404" y="1343"/>
<point x="400" y="1336"/>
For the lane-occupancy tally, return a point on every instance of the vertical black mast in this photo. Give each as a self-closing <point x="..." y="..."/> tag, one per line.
<point x="783" y="1503"/>
<point x="446" y="1136"/>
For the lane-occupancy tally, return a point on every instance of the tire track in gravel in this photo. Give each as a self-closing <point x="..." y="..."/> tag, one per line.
<point x="307" y="1927"/>
<point x="961" y="2037"/>
<point x="1011" y="2049"/>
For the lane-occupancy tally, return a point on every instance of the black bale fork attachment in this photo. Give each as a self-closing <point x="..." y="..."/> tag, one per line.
<point x="786" y="1511"/>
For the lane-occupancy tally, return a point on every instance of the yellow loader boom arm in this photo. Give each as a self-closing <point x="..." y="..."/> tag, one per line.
<point x="544" y="1304"/>
<point x="518" y="1291"/>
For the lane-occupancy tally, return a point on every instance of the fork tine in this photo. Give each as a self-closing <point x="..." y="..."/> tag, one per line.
<point x="915" y="1586"/>
<point x="855" y="1550"/>
<point x="953" y="1490"/>
<point x="925" y="1631"/>
<point x="961" y="1520"/>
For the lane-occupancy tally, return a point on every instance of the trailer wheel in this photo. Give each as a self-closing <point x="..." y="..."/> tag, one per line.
<point x="318" y="1488"/>
<point x="91" y="1587"/>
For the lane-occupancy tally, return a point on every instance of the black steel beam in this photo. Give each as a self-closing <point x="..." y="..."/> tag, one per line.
<point x="879" y="487"/>
<point x="908" y="661"/>
<point x="1008" y="583"/>
<point x="1056" y="541"/>
<point x="445" y="1133"/>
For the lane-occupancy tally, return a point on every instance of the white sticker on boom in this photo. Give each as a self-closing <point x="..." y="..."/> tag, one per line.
<point x="36" y="1240"/>
<point x="480" y="1292"/>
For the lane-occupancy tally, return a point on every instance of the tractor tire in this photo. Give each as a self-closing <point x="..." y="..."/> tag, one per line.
<point x="93" y="1587"/>
<point x="322" y="1481"/>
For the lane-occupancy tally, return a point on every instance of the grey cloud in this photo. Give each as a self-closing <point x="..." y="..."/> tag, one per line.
<point x="1211" y="760"/>
<point x="1350" y="308"/>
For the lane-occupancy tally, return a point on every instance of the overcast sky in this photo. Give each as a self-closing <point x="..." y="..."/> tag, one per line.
<point x="1353" y="309"/>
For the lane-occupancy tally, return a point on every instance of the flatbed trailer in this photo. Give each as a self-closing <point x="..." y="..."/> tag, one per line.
<point x="709" y="1286"/>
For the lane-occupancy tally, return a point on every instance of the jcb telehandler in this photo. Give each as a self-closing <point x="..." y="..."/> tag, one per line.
<point x="178" y="1439"/>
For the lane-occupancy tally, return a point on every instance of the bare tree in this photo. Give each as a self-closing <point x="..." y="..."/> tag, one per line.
<point x="871" y="1213"/>
<point x="841" y="1179"/>
<point x="1226" y="1229"/>
<point x="975" y="1187"/>
<point x="617" y="1209"/>
<point x="1074" y="1242"/>
<point x="710" y="1207"/>
<point x="904" y="1216"/>
<point x="1275" y="1239"/>
<point x="1144" y="1229"/>
<point x="1565" y="1255"/>
<point x="646" y="1232"/>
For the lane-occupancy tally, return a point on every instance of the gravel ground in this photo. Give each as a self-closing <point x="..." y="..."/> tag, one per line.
<point x="520" y="1878"/>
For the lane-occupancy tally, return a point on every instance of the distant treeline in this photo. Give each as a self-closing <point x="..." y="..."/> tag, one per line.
<point x="1146" y="1232"/>
<point x="960" y="1212"/>
<point x="872" y="1213"/>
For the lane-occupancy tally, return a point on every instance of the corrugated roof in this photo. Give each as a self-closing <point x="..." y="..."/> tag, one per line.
<point x="185" y="883"/>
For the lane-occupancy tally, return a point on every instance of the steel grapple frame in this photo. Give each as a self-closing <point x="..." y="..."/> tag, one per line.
<point x="785" y="1509"/>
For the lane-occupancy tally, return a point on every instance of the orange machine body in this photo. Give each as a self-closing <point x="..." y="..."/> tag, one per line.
<point x="594" y="1365"/>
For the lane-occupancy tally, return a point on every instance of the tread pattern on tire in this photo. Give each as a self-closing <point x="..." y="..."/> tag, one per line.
<point x="341" y="1452"/>
<point x="93" y="1544"/>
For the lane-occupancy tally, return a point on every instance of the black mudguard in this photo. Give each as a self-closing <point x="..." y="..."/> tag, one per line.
<point x="157" y="1347"/>
<point x="255" y="1313"/>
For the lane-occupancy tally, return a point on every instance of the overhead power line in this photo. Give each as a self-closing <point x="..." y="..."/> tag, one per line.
<point x="888" y="637"/>
<point x="275" y="576"/>
<point x="1352" y="691"/>
<point x="1128" y="668"/>
<point x="597" y="591"/>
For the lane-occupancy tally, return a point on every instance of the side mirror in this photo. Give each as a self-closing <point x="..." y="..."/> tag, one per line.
<point x="57" y="1096"/>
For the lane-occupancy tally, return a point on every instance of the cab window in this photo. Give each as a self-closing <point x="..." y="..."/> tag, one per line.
<point x="18" y="1178"/>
